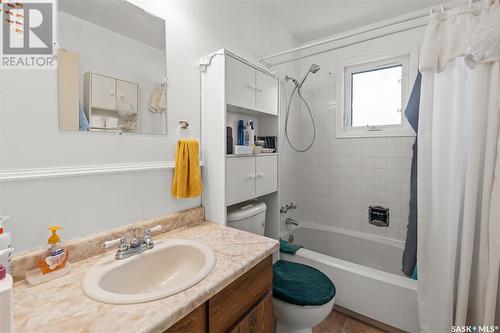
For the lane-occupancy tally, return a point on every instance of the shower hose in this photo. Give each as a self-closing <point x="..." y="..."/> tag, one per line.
<point x="297" y="89"/>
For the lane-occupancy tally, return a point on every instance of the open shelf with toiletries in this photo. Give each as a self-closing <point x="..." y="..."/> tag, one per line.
<point x="263" y="128"/>
<point x="240" y="131"/>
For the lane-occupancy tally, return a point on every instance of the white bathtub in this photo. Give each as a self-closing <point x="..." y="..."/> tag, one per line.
<point x="366" y="271"/>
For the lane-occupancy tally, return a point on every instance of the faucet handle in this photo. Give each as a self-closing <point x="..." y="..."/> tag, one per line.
<point x="124" y="246"/>
<point x="147" y="236"/>
<point x="110" y="243"/>
<point x="156" y="228"/>
<point x="149" y="231"/>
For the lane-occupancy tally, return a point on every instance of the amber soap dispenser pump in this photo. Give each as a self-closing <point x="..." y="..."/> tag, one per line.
<point x="55" y="257"/>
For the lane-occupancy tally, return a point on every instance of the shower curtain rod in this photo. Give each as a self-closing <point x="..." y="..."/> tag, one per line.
<point x="421" y="15"/>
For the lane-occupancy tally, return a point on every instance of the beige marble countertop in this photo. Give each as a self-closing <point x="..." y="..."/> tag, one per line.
<point x="61" y="306"/>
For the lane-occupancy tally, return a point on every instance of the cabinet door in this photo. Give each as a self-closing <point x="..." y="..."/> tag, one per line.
<point x="103" y="92"/>
<point x="240" y="179"/>
<point x="259" y="320"/>
<point x="195" y="322"/>
<point x="229" y="306"/>
<point x="266" y="93"/>
<point x="240" y="81"/>
<point x="266" y="168"/>
<point x="127" y="92"/>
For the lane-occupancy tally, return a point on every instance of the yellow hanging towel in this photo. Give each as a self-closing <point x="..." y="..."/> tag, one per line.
<point x="187" y="177"/>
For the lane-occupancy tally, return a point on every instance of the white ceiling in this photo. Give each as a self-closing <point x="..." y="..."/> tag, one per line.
<point x="307" y="20"/>
<point x="121" y="17"/>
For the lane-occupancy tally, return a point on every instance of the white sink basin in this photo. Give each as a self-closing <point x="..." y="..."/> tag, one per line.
<point x="172" y="266"/>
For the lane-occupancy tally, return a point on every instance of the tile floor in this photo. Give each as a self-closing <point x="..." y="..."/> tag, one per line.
<point x="337" y="322"/>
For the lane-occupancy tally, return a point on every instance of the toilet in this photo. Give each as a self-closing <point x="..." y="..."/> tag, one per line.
<point x="302" y="295"/>
<point x="248" y="216"/>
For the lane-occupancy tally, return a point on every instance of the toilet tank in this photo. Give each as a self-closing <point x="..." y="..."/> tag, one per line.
<point x="248" y="216"/>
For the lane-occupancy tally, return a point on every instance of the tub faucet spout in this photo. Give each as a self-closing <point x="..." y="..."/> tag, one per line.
<point x="291" y="221"/>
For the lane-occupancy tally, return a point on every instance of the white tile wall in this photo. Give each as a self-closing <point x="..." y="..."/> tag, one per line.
<point x="289" y="159"/>
<point x="338" y="179"/>
<point x="341" y="178"/>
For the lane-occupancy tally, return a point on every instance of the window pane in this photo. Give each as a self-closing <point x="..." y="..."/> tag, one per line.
<point x="376" y="97"/>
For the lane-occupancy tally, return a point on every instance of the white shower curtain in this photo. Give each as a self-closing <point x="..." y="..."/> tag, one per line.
<point x="458" y="176"/>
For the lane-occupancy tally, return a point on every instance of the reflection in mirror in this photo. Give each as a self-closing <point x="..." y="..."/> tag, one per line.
<point x="111" y="68"/>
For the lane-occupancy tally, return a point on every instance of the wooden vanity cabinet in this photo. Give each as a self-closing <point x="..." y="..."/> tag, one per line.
<point x="244" y="306"/>
<point x="232" y="303"/>
<point x="195" y="322"/>
<point x="259" y="320"/>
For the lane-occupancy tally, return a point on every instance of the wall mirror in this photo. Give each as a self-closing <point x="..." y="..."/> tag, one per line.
<point x="111" y="68"/>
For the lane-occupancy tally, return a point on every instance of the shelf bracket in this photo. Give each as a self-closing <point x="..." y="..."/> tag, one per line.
<point x="206" y="61"/>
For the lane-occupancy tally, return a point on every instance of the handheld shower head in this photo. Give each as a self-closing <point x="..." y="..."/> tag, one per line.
<point x="312" y="69"/>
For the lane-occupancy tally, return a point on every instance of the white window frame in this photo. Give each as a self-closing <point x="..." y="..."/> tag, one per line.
<point x="405" y="56"/>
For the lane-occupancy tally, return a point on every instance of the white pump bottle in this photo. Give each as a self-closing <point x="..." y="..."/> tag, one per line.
<point x="5" y="245"/>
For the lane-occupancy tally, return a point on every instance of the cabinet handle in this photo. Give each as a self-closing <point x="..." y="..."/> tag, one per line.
<point x="260" y="174"/>
<point x="252" y="176"/>
<point x="112" y="93"/>
<point x="251" y="86"/>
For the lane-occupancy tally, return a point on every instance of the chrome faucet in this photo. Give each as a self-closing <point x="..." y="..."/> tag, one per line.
<point x="136" y="245"/>
<point x="291" y="221"/>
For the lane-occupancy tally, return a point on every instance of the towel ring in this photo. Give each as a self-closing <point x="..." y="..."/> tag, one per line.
<point x="183" y="125"/>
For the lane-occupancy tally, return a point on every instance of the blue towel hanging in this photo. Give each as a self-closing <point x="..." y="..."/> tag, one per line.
<point x="409" y="260"/>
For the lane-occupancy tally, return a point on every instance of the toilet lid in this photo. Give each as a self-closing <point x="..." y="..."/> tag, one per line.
<point x="301" y="284"/>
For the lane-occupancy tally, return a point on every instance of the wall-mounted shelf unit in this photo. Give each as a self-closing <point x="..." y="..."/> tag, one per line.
<point x="234" y="89"/>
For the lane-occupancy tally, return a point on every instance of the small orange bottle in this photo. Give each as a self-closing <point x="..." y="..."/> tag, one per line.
<point x="55" y="257"/>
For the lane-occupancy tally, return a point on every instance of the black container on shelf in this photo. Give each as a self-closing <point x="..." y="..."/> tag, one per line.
<point x="270" y="141"/>
<point x="229" y="140"/>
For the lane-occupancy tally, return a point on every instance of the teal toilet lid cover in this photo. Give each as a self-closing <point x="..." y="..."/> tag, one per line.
<point x="301" y="284"/>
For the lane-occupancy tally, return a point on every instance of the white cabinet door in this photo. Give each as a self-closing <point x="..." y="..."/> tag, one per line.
<point x="240" y="179"/>
<point x="103" y="92"/>
<point x="266" y="90"/>
<point x="127" y="93"/>
<point x="266" y="168"/>
<point x="240" y="84"/>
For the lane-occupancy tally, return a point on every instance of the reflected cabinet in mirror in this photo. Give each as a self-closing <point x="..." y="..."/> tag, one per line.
<point x="112" y="68"/>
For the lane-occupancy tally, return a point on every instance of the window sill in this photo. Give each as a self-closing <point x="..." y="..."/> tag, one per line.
<point x="365" y="133"/>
